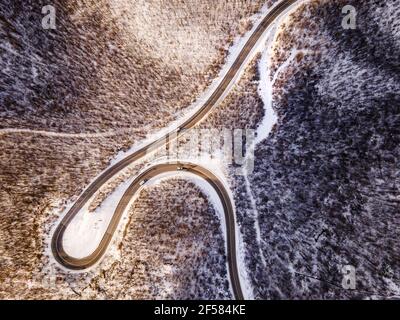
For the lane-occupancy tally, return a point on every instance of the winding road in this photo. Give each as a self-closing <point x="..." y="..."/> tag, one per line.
<point x="219" y="93"/>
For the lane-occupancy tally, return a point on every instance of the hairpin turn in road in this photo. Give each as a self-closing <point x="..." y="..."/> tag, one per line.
<point x="224" y="86"/>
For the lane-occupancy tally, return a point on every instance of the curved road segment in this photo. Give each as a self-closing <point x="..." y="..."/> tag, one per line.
<point x="79" y="264"/>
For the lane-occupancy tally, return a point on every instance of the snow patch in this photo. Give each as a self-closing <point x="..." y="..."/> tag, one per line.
<point x="84" y="233"/>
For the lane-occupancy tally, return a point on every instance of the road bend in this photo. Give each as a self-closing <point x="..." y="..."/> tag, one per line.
<point x="218" y="94"/>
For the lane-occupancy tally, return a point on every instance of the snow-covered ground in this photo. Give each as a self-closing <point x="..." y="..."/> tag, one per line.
<point x="84" y="233"/>
<point x="86" y="230"/>
<point x="206" y="188"/>
<point x="270" y="118"/>
<point x="233" y="53"/>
